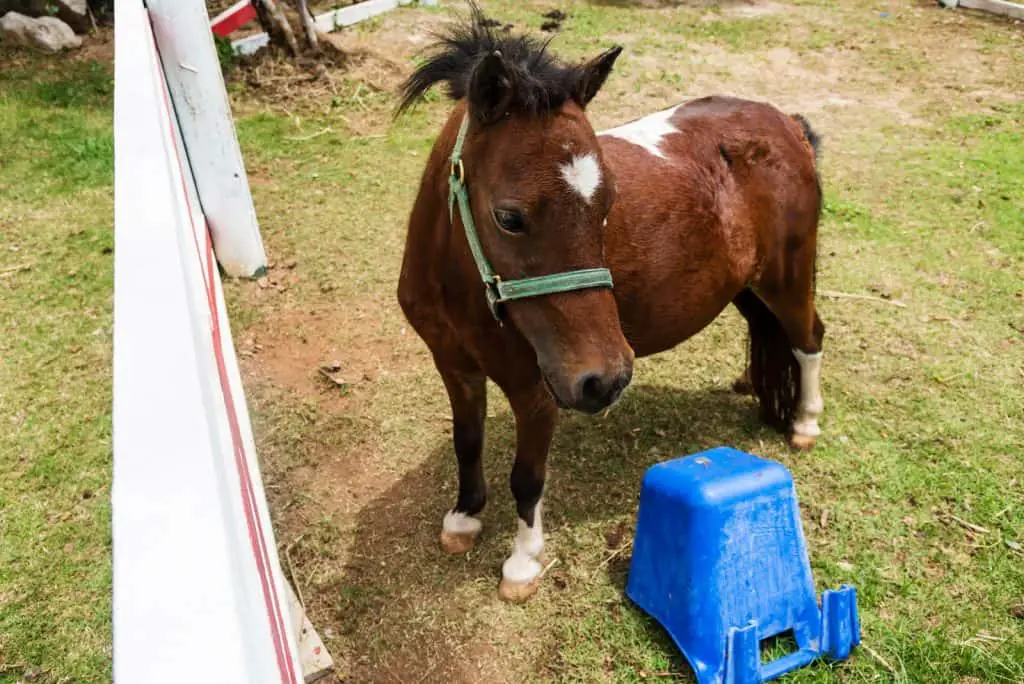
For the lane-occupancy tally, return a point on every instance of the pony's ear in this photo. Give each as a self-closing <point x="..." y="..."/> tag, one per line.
<point x="593" y="75"/>
<point x="491" y="88"/>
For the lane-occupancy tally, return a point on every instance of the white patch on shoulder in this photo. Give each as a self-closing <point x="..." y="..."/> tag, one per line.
<point x="460" y="523"/>
<point x="583" y="174"/>
<point x="646" y="132"/>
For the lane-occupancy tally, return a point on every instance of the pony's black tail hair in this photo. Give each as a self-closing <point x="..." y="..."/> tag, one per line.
<point x="774" y="370"/>
<point x="810" y="134"/>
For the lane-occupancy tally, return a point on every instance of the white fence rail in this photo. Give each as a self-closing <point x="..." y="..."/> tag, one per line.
<point x="199" y="595"/>
<point x="332" y="20"/>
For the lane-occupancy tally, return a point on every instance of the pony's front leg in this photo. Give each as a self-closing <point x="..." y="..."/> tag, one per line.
<point x="536" y="416"/>
<point x="467" y="393"/>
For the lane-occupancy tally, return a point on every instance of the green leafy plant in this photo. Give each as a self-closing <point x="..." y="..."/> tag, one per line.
<point x="225" y="55"/>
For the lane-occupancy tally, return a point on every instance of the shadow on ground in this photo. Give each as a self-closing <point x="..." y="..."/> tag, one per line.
<point x="384" y="602"/>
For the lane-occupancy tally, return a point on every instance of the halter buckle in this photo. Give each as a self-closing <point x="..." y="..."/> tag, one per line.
<point x="492" y="289"/>
<point x="458" y="171"/>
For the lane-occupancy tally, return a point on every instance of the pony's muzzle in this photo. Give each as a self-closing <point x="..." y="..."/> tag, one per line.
<point x="595" y="392"/>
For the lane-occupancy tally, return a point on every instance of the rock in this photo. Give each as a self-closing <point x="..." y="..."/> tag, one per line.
<point x="14" y="28"/>
<point x="48" y="34"/>
<point x="53" y="35"/>
<point x="74" y="13"/>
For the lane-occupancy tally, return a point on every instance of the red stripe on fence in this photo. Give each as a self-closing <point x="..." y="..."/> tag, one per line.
<point x="254" y="526"/>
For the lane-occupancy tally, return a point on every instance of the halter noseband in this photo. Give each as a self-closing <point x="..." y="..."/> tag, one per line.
<point x="500" y="291"/>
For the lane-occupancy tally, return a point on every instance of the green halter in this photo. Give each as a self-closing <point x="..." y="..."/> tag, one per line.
<point x="500" y="291"/>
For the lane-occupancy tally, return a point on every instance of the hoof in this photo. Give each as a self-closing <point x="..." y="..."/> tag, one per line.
<point x="517" y="592"/>
<point x="458" y="542"/>
<point x="802" y="442"/>
<point x="519" y="589"/>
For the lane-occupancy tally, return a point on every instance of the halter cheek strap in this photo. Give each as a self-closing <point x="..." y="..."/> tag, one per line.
<point x="499" y="291"/>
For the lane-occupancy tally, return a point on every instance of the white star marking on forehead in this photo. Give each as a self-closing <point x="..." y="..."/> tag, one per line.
<point x="583" y="174"/>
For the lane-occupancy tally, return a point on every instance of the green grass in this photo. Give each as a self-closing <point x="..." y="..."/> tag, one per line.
<point x="56" y="180"/>
<point x="57" y="131"/>
<point x="923" y="425"/>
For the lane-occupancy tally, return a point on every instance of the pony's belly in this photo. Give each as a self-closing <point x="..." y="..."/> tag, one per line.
<point x="671" y="287"/>
<point x="658" y="325"/>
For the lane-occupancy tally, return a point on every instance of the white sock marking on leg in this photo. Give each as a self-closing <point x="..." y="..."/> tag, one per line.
<point x="811" y="403"/>
<point x="461" y="523"/>
<point x="523" y="565"/>
<point x="583" y="174"/>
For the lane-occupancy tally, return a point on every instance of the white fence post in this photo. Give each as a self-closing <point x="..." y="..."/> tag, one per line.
<point x="196" y="84"/>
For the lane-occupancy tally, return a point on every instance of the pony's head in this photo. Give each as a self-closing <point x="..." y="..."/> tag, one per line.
<point x="540" y="193"/>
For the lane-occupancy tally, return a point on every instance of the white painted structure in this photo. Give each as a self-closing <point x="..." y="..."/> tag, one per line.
<point x="332" y="20"/>
<point x="185" y="43"/>
<point x="1014" y="10"/>
<point x="199" y="595"/>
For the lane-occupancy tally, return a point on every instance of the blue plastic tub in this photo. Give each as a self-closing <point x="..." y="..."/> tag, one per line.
<point x="721" y="562"/>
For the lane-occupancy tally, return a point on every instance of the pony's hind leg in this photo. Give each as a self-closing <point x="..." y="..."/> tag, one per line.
<point x="536" y="416"/>
<point x="811" y="404"/>
<point x="785" y="364"/>
<point x="743" y="384"/>
<point x="467" y="393"/>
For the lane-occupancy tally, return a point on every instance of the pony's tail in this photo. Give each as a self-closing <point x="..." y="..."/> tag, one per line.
<point x="810" y="135"/>
<point x="774" y="370"/>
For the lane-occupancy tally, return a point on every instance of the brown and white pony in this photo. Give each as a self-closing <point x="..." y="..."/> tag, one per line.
<point x="712" y="202"/>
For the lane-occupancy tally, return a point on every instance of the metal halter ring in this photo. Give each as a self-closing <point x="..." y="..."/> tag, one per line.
<point x="459" y="171"/>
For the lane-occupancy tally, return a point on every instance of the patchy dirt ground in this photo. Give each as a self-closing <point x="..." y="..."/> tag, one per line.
<point x="360" y="474"/>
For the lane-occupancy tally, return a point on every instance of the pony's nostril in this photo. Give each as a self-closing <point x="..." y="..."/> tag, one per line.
<point x="595" y="391"/>
<point x="591" y="388"/>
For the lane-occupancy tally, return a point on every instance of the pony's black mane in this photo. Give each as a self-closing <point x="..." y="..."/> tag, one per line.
<point x="542" y="82"/>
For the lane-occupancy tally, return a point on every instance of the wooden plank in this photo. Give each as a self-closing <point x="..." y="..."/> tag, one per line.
<point x="316" y="662"/>
<point x="233" y="18"/>
<point x="1009" y="9"/>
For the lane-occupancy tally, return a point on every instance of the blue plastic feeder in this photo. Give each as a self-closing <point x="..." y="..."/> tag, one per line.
<point x="720" y="561"/>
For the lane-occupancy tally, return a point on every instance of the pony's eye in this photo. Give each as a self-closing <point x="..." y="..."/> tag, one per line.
<point x="510" y="221"/>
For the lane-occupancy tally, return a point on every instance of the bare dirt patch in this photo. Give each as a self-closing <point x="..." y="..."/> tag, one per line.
<point x="290" y="349"/>
<point x="730" y="5"/>
<point x="97" y="46"/>
<point x="753" y="9"/>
